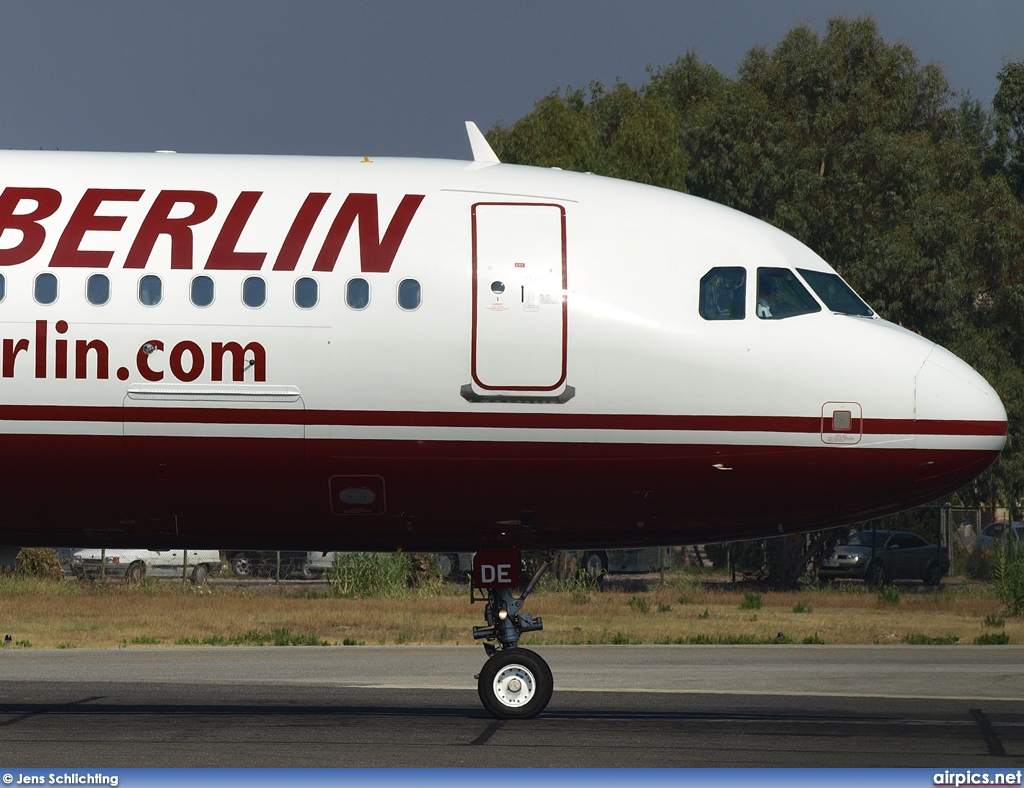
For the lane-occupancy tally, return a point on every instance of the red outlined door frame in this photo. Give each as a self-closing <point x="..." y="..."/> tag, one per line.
<point x="477" y="284"/>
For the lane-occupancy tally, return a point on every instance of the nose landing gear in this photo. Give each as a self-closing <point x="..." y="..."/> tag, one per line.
<point x="515" y="683"/>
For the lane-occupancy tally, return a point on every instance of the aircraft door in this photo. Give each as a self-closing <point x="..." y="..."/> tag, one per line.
<point x="519" y="301"/>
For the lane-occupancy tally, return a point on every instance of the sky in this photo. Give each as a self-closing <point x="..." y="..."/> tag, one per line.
<point x="398" y="77"/>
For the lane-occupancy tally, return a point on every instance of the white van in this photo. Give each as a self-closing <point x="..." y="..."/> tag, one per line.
<point x="316" y="564"/>
<point x="136" y="564"/>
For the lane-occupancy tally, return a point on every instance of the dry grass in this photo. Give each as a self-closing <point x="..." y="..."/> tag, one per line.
<point x="72" y="615"/>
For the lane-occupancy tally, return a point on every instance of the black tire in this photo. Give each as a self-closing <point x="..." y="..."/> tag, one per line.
<point x="515" y="684"/>
<point x="594" y="565"/>
<point x="932" y="575"/>
<point x="242" y="565"/>
<point x="135" y="572"/>
<point x="199" y="574"/>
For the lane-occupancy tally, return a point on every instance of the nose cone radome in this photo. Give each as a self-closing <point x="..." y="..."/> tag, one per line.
<point x="960" y="422"/>
<point x="949" y="390"/>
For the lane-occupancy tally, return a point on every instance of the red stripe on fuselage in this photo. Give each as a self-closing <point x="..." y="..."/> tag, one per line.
<point x="551" y="421"/>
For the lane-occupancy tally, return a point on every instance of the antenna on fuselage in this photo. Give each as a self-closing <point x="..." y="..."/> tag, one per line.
<point x="482" y="150"/>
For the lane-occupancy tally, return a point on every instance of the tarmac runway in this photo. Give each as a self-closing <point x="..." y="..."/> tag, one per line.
<point x="634" y="706"/>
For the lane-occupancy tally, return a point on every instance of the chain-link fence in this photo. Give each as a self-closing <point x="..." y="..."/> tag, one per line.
<point x="970" y="549"/>
<point x="194" y="565"/>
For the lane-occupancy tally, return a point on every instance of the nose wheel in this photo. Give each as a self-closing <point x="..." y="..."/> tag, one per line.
<point x="515" y="683"/>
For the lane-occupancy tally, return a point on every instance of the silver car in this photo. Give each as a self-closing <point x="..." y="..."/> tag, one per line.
<point x="995" y="535"/>
<point x="892" y="555"/>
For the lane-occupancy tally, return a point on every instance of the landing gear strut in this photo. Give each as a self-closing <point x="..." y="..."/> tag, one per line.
<point x="515" y="683"/>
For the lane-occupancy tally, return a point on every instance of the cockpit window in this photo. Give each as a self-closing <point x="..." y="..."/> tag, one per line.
<point x="837" y="295"/>
<point x="722" y="293"/>
<point x="780" y="295"/>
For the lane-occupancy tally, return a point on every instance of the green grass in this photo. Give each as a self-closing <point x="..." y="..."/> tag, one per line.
<point x="888" y="596"/>
<point x="917" y="639"/>
<point x="254" y="637"/>
<point x="735" y="640"/>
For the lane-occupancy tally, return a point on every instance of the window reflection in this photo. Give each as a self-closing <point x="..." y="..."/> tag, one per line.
<point x="202" y="291"/>
<point x="151" y="290"/>
<point x="409" y="294"/>
<point x="307" y="293"/>
<point x="357" y="293"/>
<point x="837" y="295"/>
<point x="46" y="288"/>
<point x="97" y="289"/>
<point x="780" y="295"/>
<point x="254" y="292"/>
<point x="723" y="293"/>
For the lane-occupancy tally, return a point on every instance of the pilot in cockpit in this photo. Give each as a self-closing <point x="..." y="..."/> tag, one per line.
<point x="723" y="293"/>
<point x="766" y="292"/>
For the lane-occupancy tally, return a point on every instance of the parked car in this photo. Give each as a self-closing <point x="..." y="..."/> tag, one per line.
<point x="897" y="555"/>
<point x="317" y="562"/>
<point x="638" y="560"/>
<point x="263" y="563"/>
<point x="455" y="566"/>
<point x="136" y="564"/>
<point x="994" y="535"/>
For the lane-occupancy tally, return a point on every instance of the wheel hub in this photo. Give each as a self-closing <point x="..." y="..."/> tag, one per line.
<point x="514" y="685"/>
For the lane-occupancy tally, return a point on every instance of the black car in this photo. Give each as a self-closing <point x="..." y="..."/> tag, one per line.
<point x="880" y="556"/>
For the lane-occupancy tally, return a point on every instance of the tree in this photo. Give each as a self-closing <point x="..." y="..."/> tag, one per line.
<point x="619" y="132"/>
<point x="1008" y="105"/>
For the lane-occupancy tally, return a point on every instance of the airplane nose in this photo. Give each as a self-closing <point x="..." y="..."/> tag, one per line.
<point x="960" y="423"/>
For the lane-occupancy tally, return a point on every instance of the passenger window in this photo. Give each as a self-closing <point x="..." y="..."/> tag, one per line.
<point x="46" y="288"/>
<point x="780" y="295"/>
<point x="202" y="291"/>
<point x="409" y="294"/>
<point x="837" y="295"/>
<point x="254" y="292"/>
<point x="3" y="287"/>
<point x="357" y="293"/>
<point x="151" y="290"/>
<point x="306" y="293"/>
<point x="97" y="289"/>
<point x="723" y="294"/>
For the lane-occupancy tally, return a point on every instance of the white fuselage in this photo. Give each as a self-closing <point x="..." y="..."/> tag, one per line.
<point x="307" y="353"/>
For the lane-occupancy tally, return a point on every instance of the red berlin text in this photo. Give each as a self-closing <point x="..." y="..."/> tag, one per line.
<point x="173" y="213"/>
<point x="89" y="359"/>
